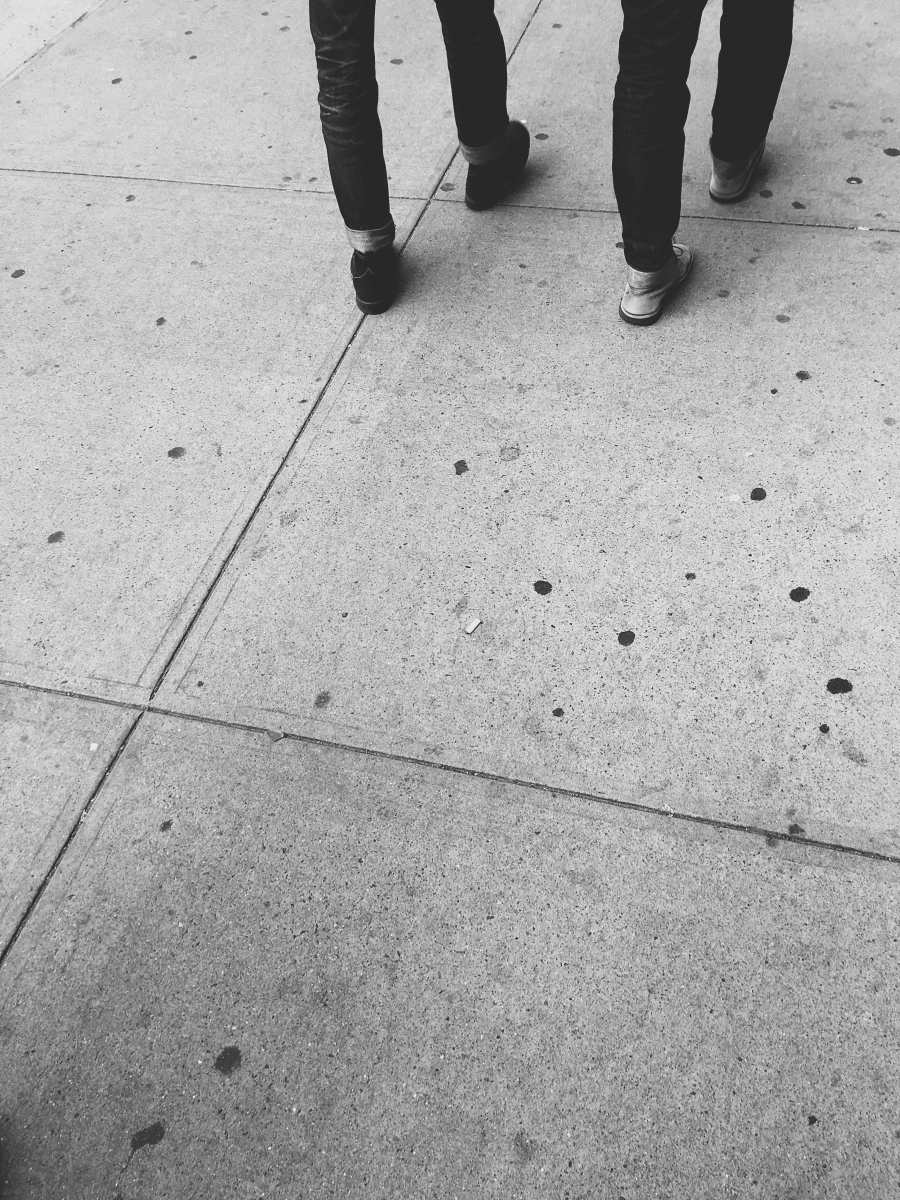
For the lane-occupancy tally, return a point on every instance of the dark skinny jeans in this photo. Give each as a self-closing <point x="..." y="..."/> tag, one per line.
<point x="652" y="98"/>
<point x="343" y="32"/>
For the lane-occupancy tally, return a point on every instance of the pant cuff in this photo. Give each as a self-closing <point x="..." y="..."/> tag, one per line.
<point x="367" y="241"/>
<point x="477" y="156"/>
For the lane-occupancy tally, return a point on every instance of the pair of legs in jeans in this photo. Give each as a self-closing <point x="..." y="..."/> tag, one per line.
<point x="652" y="98"/>
<point x="343" y="32"/>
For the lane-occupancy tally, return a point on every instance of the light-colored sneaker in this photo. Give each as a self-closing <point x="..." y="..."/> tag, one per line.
<point x="646" y="292"/>
<point x="731" y="181"/>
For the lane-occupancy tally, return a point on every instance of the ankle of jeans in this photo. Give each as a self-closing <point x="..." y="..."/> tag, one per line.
<point x="648" y="260"/>
<point x="367" y="241"/>
<point x="479" y="156"/>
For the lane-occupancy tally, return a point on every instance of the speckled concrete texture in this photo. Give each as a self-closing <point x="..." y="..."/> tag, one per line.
<point x="278" y="970"/>
<point x="225" y="94"/>
<point x="829" y="158"/>
<point x="454" y="475"/>
<point x="54" y="751"/>
<point x="452" y="754"/>
<point x="163" y="345"/>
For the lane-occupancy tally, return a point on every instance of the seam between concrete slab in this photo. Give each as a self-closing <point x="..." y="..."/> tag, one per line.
<point x="86" y="807"/>
<point x="201" y="183"/>
<point x="432" y="197"/>
<point x="686" y="216"/>
<point x="449" y="768"/>
<point x="52" y="41"/>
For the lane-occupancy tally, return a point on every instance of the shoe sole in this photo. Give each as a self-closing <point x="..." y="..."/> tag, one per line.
<point x="744" y="190"/>
<point x="372" y="307"/>
<point x="652" y="318"/>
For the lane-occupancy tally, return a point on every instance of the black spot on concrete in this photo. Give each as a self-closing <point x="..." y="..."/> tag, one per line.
<point x="796" y="829"/>
<point x="160" y="320"/>
<point x="892" y="151"/>
<point x="461" y="466"/>
<point x="542" y="587"/>
<point x="118" y="79"/>
<point x="690" y="575"/>
<point x="803" y="376"/>
<point x="838" y="686"/>
<point x="286" y="178"/>
<point x="853" y="179"/>
<point x="766" y="194"/>
<point x="774" y="391"/>
<point x="448" y="187"/>
<point x="188" y="32"/>
<point x="524" y="1147"/>
<point x="556" y="25"/>
<point x="322" y="700"/>
<point x="890" y="420"/>
<point x="191" y="57"/>
<point x="723" y="293"/>
<point x="165" y="827"/>
<point x="18" y="274"/>
<point x="541" y="137"/>
<point x="284" y="28"/>
<point x="177" y="452"/>
<point x="558" y="712"/>
<point x="128" y="199"/>
<point x="799" y="593"/>
<point x="228" y="1061"/>
<point x="797" y="204"/>
<point x="758" y="493"/>
<point x="824" y="729"/>
<point x="783" y="318"/>
<point x="397" y="62"/>
<point x="151" y="1136"/>
<point x="56" y="537"/>
<point x="626" y="637"/>
<point x="812" y="1120"/>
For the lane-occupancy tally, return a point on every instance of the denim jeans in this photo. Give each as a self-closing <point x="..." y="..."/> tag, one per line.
<point x="652" y="98"/>
<point x="343" y="33"/>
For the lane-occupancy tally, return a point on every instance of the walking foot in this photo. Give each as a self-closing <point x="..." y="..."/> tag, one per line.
<point x="486" y="184"/>
<point x="646" y="292"/>
<point x="731" y="181"/>
<point x="374" y="279"/>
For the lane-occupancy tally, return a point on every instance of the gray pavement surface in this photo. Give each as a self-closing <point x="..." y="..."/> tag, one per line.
<point x="304" y="890"/>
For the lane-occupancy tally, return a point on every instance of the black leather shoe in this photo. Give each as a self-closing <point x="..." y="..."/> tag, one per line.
<point x="374" y="279"/>
<point x="487" y="183"/>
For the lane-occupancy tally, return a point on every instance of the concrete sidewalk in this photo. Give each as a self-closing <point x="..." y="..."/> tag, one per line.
<point x="304" y="890"/>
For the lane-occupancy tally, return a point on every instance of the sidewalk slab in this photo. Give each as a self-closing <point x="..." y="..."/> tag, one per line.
<point x="53" y="753"/>
<point x="163" y="345"/>
<point x="281" y="970"/>
<point x="225" y="94"/>
<point x="501" y="430"/>
<point x="839" y="112"/>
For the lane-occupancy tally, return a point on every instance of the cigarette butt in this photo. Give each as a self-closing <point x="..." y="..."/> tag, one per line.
<point x="473" y="624"/>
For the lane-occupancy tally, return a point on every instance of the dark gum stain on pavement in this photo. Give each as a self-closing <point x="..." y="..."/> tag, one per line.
<point x="228" y="1061"/>
<point x="151" y="1136"/>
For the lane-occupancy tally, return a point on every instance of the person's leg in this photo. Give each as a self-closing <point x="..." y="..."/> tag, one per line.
<point x="649" y="111"/>
<point x="756" y="46"/>
<point x="343" y="32"/>
<point x="476" y="59"/>
<point x="495" y="148"/>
